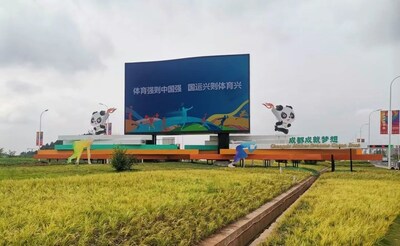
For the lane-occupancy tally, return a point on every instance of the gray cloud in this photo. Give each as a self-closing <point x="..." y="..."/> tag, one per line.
<point x="355" y="22"/>
<point x="21" y="87"/>
<point x="39" y="38"/>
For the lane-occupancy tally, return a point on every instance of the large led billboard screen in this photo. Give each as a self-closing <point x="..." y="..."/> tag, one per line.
<point x="191" y="95"/>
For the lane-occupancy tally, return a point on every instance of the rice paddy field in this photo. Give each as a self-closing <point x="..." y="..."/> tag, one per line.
<point x="345" y="208"/>
<point x="155" y="204"/>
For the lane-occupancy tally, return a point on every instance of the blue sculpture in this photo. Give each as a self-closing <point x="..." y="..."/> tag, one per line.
<point x="240" y="153"/>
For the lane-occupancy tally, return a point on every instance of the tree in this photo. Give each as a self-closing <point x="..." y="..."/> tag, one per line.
<point x="51" y="145"/>
<point x="29" y="153"/>
<point x="121" y="161"/>
<point x="11" y="153"/>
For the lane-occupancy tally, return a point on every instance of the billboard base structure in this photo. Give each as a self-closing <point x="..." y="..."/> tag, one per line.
<point x="171" y="152"/>
<point x="153" y="140"/>
<point x="263" y="141"/>
<point x="103" y="148"/>
<point x="223" y="141"/>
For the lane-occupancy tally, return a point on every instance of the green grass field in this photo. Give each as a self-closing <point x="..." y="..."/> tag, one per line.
<point x="344" y="208"/>
<point x="5" y="161"/>
<point x="155" y="204"/>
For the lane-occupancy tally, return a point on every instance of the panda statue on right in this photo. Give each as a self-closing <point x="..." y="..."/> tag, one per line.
<point x="284" y="115"/>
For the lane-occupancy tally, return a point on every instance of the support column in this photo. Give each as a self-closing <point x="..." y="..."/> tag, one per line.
<point x="223" y="141"/>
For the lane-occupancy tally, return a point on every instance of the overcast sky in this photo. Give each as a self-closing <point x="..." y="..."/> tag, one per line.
<point x="333" y="61"/>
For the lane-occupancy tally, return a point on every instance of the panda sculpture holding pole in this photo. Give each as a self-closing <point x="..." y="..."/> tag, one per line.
<point x="99" y="119"/>
<point x="284" y="116"/>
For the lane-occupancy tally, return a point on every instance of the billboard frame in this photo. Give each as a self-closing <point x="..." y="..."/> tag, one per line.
<point x="208" y="132"/>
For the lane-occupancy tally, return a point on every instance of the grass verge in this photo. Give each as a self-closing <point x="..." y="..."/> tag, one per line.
<point x="4" y="161"/>
<point x="342" y="208"/>
<point x="392" y="237"/>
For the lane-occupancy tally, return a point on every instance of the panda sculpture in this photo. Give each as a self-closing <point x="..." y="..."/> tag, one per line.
<point x="98" y="121"/>
<point x="284" y="115"/>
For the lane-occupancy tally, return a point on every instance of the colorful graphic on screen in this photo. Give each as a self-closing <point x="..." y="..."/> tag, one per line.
<point x="190" y="95"/>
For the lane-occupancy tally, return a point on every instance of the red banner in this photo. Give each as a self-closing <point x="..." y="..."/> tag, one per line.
<point x="395" y="122"/>
<point x="39" y="138"/>
<point x="384" y="122"/>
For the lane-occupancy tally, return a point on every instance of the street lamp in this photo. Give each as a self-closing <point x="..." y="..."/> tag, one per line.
<point x="390" y="123"/>
<point x="105" y="105"/>
<point x="369" y="129"/>
<point x="40" y="128"/>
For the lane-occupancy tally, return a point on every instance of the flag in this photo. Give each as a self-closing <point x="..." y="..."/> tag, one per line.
<point x="395" y="122"/>
<point x="39" y="138"/>
<point x="384" y="122"/>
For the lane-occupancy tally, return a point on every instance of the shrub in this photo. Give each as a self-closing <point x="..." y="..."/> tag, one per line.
<point x="121" y="161"/>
